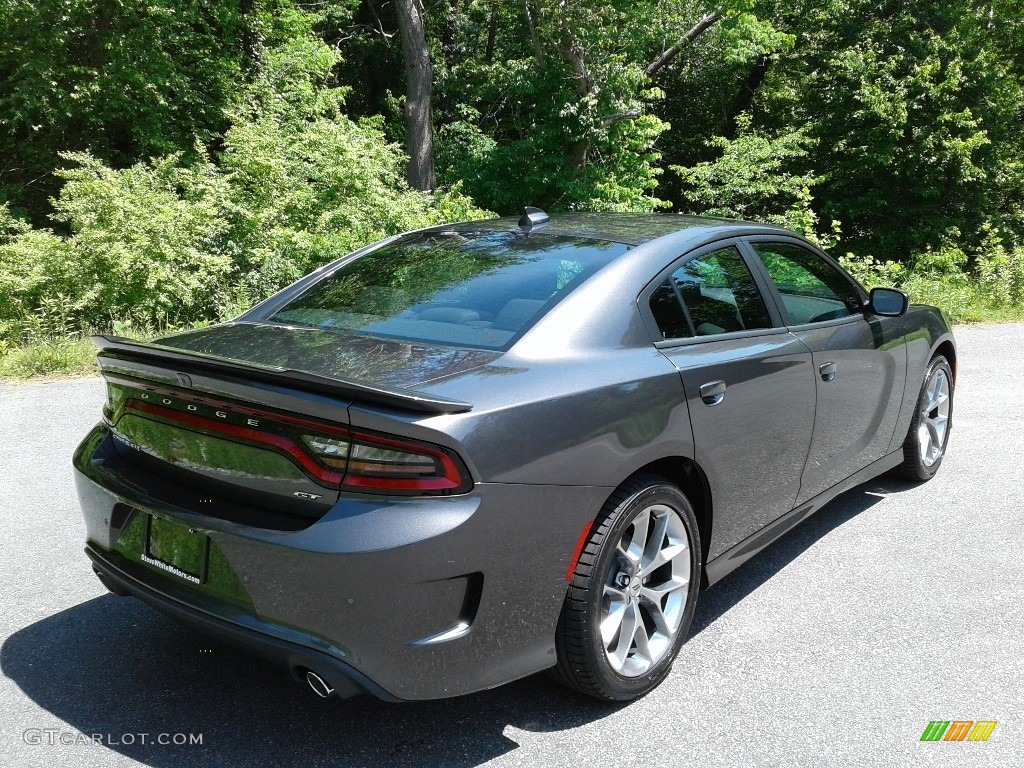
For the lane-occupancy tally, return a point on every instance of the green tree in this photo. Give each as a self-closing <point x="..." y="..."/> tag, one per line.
<point x="556" y="102"/>
<point x="913" y="111"/>
<point x="123" y="80"/>
<point x="754" y="178"/>
<point x="190" y="237"/>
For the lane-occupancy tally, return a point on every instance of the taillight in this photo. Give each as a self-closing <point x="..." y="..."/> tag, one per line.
<point x="368" y="461"/>
<point x="335" y="456"/>
<point x="376" y="462"/>
<point x="330" y="450"/>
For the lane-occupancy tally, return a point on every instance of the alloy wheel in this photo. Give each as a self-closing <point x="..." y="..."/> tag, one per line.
<point x="934" y="423"/>
<point x="645" y="591"/>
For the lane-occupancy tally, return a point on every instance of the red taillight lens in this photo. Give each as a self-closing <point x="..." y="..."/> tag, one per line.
<point x="333" y="455"/>
<point x="389" y="464"/>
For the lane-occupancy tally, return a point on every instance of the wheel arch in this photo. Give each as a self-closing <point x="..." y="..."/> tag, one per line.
<point x="947" y="349"/>
<point x="687" y="475"/>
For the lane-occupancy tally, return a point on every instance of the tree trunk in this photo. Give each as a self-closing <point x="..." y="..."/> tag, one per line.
<point x="755" y="78"/>
<point x="419" y="110"/>
<point x="571" y="51"/>
<point x="538" y="51"/>
<point x="492" y="29"/>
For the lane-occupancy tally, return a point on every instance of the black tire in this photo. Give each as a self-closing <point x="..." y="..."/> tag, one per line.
<point x="915" y="466"/>
<point x="583" y="662"/>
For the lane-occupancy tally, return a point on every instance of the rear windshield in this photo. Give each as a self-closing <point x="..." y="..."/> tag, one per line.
<point x="451" y="288"/>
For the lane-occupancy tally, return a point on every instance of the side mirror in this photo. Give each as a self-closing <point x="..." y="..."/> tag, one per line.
<point x="888" y="302"/>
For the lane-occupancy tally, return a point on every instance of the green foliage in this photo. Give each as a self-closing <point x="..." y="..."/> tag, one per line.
<point x="168" y="163"/>
<point x="123" y="81"/>
<point x="956" y="295"/>
<point x="148" y="242"/>
<point x="554" y="147"/>
<point x="564" y="113"/>
<point x="752" y="179"/>
<point x="56" y="356"/>
<point x="1000" y="270"/>
<point x="307" y="193"/>
<point x="993" y="290"/>
<point x="183" y="239"/>
<point x="36" y="270"/>
<point x="872" y="273"/>
<point x="914" y="109"/>
<point x="306" y="183"/>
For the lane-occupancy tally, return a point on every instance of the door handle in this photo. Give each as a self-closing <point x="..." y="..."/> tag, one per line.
<point x="827" y="371"/>
<point x="713" y="392"/>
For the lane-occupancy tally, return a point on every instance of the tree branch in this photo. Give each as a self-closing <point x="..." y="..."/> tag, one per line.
<point x="571" y="50"/>
<point x="538" y="52"/>
<point x="695" y="31"/>
<point x="618" y="117"/>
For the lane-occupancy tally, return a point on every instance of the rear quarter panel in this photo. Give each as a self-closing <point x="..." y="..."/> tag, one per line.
<point x="591" y="421"/>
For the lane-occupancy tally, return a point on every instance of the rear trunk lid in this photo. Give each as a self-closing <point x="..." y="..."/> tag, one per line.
<point x="249" y="413"/>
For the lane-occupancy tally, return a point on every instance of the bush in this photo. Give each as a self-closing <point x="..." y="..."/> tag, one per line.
<point x="871" y="273"/>
<point x="148" y="241"/>
<point x="74" y="356"/>
<point x="754" y="177"/>
<point x="178" y="241"/>
<point x="1000" y="270"/>
<point x="992" y="291"/>
<point x="304" y="194"/>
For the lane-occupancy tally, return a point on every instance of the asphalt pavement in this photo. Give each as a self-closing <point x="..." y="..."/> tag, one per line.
<point x="894" y="606"/>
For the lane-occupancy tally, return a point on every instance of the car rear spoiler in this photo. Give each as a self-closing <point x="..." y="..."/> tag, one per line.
<point x="115" y="348"/>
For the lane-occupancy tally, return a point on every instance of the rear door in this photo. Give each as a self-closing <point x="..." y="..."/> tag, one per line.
<point x="859" y="361"/>
<point x="749" y="386"/>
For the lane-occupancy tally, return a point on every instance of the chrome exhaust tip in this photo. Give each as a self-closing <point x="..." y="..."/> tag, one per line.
<point x="319" y="685"/>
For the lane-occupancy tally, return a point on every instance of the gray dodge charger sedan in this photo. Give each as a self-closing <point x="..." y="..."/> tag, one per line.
<point x="477" y="451"/>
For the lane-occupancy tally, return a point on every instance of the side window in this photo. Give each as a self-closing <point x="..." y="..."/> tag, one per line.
<point x="811" y="288"/>
<point x="720" y="294"/>
<point x="668" y="312"/>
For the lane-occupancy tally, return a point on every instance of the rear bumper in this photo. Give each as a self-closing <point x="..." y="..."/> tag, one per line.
<point x="292" y="654"/>
<point x="406" y="598"/>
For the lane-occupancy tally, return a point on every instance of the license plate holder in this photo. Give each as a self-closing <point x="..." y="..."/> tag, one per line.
<point x="176" y="549"/>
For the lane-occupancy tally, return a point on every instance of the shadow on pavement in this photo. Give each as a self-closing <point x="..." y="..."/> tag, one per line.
<point x="760" y="568"/>
<point x="113" y="666"/>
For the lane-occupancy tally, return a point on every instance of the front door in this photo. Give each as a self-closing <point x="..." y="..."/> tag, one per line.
<point x="859" y="363"/>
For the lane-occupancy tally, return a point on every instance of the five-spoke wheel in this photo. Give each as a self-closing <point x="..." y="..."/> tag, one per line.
<point x="646" y="591"/>
<point x="633" y="592"/>
<point x="934" y="422"/>
<point x="929" y="430"/>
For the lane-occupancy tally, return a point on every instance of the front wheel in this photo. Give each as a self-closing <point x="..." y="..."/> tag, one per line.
<point x="928" y="436"/>
<point x="633" y="593"/>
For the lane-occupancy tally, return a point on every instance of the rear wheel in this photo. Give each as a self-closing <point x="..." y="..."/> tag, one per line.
<point x="633" y="593"/>
<point x="929" y="430"/>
